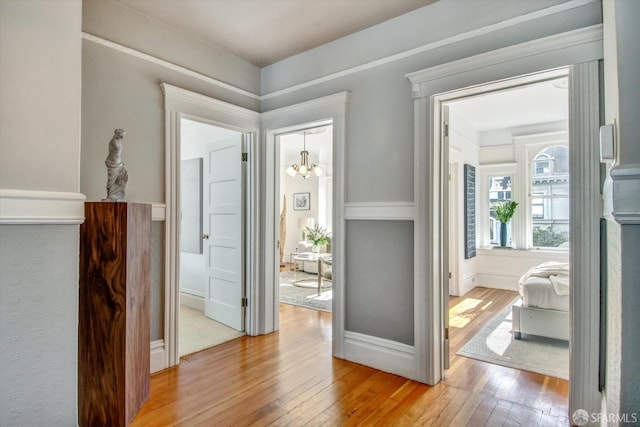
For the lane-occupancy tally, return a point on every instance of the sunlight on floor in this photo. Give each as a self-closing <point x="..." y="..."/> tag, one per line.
<point x="465" y="311"/>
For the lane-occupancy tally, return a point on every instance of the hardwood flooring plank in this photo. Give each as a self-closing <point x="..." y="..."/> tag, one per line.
<point x="290" y="378"/>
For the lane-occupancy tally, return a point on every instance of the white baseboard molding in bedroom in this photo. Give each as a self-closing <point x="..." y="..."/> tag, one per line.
<point x="192" y="300"/>
<point x="379" y="353"/>
<point x="498" y="281"/>
<point x="158" y="356"/>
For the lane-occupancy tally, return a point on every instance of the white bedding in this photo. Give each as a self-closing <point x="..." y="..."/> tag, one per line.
<point x="546" y="286"/>
<point x="539" y="292"/>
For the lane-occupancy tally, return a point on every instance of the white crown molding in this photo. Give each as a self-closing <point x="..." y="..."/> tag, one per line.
<point x="626" y="193"/>
<point x="582" y="37"/>
<point x="573" y="4"/>
<point x="166" y="64"/>
<point x="41" y="207"/>
<point x="434" y="45"/>
<point x="380" y="211"/>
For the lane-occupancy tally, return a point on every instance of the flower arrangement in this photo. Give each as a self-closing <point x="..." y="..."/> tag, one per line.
<point x="505" y="210"/>
<point x="318" y="235"/>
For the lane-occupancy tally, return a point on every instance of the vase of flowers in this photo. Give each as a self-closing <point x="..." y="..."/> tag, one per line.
<point x="504" y="213"/>
<point x="319" y="236"/>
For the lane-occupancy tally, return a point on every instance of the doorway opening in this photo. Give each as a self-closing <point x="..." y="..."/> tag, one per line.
<point x="510" y="146"/>
<point x="305" y="222"/>
<point x="212" y="236"/>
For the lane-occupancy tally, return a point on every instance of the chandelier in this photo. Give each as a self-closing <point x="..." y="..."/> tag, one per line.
<point x="304" y="169"/>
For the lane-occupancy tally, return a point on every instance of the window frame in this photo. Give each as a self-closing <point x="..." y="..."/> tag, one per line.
<point x="522" y="171"/>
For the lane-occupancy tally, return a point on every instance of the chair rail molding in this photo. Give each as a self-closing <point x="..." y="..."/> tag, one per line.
<point x="379" y="211"/>
<point x="41" y="207"/>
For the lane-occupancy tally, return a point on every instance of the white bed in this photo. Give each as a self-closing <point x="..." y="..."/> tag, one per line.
<point x="543" y="308"/>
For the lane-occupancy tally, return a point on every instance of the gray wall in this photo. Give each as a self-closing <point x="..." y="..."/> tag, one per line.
<point x="379" y="277"/>
<point x="39" y="106"/>
<point x="379" y="148"/>
<point x="39" y="150"/>
<point x="122" y="91"/>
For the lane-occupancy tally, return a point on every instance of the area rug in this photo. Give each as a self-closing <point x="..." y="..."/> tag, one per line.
<point x="305" y="294"/>
<point x="495" y="344"/>
<point x="198" y="332"/>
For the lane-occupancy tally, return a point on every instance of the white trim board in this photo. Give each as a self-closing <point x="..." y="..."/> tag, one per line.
<point x="158" y="212"/>
<point x="158" y="356"/>
<point x="563" y="7"/>
<point x="386" y="355"/>
<point x="590" y="37"/>
<point x="380" y="211"/>
<point x="41" y="207"/>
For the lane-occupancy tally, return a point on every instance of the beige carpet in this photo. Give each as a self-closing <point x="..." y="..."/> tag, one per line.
<point x="198" y="332"/>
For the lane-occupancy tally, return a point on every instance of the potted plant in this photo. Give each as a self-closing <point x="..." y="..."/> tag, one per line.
<point x="504" y="213"/>
<point x="319" y="236"/>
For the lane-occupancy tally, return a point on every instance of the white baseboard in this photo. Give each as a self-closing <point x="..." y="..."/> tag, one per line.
<point x="192" y="301"/>
<point x="498" y="281"/>
<point x="468" y="283"/>
<point x="158" y="356"/>
<point x="379" y="353"/>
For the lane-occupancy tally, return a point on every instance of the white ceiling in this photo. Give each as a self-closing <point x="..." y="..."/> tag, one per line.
<point x="528" y="105"/>
<point x="266" y="31"/>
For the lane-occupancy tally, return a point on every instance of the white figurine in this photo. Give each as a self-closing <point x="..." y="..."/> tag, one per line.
<point x="117" y="175"/>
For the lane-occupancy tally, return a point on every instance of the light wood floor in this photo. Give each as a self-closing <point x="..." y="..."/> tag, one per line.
<point x="290" y="378"/>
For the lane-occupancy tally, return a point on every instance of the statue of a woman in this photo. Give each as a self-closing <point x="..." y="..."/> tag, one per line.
<point x="117" y="175"/>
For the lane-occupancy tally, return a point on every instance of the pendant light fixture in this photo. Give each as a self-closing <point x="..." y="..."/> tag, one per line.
<point x="304" y="169"/>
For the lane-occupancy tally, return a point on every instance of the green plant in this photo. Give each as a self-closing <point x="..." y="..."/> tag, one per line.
<point x="505" y="210"/>
<point x="318" y="235"/>
<point x="550" y="238"/>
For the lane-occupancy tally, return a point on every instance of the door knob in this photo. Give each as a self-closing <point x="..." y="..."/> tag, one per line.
<point x="205" y="237"/>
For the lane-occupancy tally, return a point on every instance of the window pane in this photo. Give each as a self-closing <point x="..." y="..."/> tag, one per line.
<point x="499" y="191"/>
<point x="550" y="197"/>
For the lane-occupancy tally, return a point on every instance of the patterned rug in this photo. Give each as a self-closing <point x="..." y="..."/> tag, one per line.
<point x="495" y="344"/>
<point x="305" y="294"/>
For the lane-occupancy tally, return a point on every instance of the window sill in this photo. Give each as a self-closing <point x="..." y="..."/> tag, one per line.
<point x="517" y="252"/>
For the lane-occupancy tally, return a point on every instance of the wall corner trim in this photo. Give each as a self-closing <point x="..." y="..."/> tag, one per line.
<point x="626" y="193"/>
<point x="41" y="207"/>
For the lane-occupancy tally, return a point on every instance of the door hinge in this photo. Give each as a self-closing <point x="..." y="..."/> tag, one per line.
<point x="245" y="302"/>
<point x="446" y="333"/>
<point x="245" y="157"/>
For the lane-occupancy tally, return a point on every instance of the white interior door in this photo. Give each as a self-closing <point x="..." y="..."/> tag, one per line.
<point x="223" y="235"/>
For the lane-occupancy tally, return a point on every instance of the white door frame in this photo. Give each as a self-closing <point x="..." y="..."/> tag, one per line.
<point x="289" y="119"/>
<point x="579" y="50"/>
<point x="180" y="103"/>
